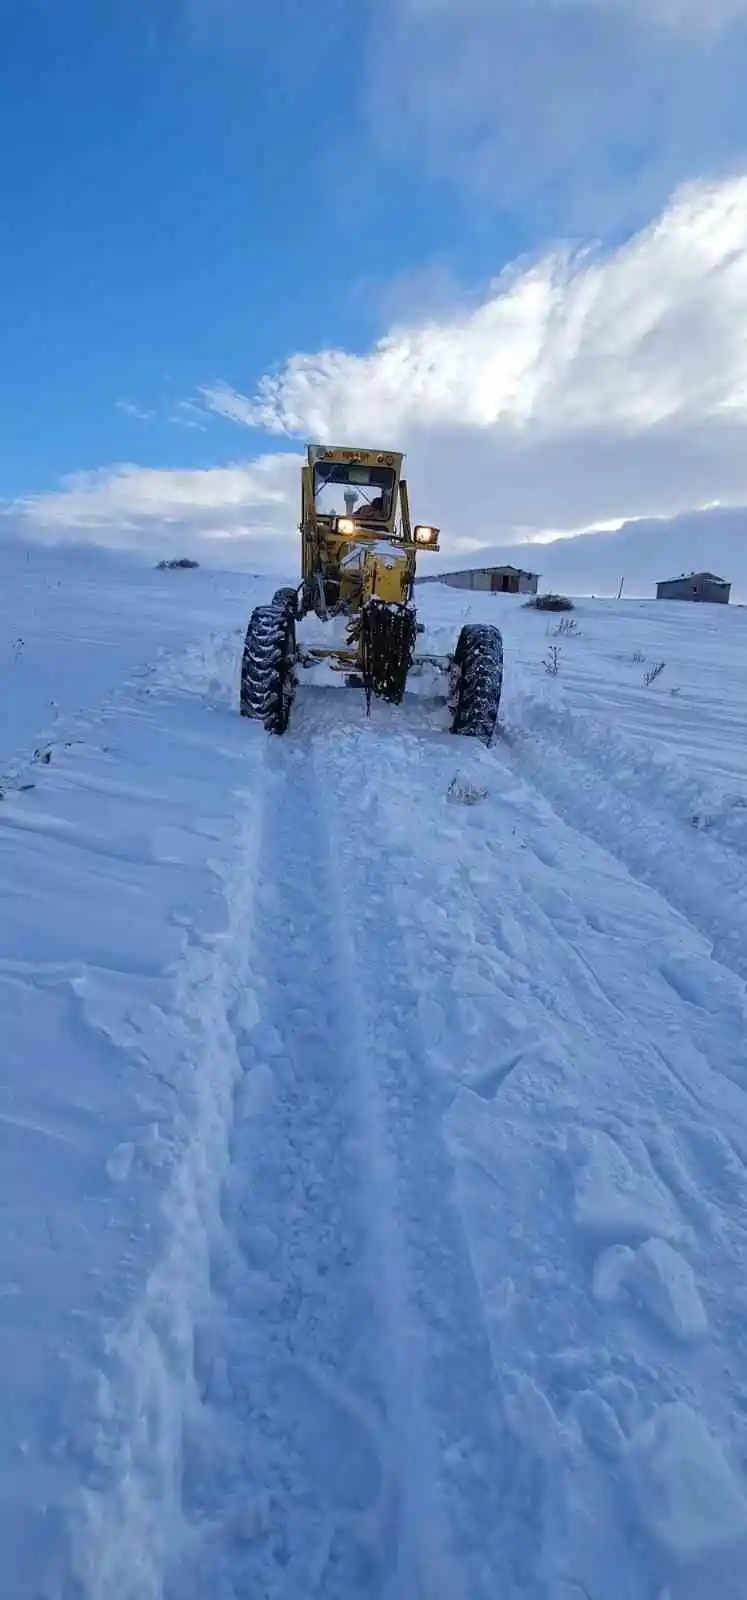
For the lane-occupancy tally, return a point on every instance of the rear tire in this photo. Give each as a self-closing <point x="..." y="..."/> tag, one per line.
<point x="267" y="677"/>
<point x="477" y="681"/>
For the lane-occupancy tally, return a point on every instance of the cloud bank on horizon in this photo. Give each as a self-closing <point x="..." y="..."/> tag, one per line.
<point x="585" y="388"/>
<point x="589" y="384"/>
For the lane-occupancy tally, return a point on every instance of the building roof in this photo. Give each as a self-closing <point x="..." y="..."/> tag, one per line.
<point x="685" y="576"/>
<point x="521" y="572"/>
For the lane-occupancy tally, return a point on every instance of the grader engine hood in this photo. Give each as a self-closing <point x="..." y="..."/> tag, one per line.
<point x="375" y="568"/>
<point x="384" y="550"/>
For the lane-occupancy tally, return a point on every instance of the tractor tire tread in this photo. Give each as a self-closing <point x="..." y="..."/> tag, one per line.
<point x="267" y="667"/>
<point x="478" y="663"/>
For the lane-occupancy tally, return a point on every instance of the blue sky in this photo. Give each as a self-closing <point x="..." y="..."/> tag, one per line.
<point x="491" y="231"/>
<point x="190" y="193"/>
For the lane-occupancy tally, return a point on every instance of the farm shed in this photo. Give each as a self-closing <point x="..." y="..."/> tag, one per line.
<point x="695" y="586"/>
<point x="493" y="580"/>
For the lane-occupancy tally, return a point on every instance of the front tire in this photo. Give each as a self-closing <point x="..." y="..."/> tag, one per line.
<point x="287" y="600"/>
<point x="477" y="681"/>
<point x="267" y="676"/>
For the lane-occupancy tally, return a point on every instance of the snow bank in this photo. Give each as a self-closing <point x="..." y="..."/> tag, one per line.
<point x="117" y="1071"/>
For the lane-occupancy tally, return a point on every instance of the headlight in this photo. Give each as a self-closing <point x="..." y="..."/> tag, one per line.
<point x="425" y="535"/>
<point x="345" y="525"/>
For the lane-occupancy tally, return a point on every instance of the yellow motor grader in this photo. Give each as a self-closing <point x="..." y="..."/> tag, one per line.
<point x="358" y="554"/>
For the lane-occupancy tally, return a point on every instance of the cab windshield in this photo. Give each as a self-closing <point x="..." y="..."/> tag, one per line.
<point x="343" y="489"/>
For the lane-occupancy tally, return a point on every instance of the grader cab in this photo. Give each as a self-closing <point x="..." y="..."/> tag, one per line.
<point x="358" y="562"/>
<point x="355" y="507"/>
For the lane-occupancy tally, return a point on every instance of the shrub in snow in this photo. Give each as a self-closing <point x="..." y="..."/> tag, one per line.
<point x="652" y="673"/>
<point x="465" y="792"/>
<point x="551" y="662"/>
<point x="172" y="566"/>
<point x="550" y="602"/>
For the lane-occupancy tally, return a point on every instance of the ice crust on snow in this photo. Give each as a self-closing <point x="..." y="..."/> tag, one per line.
<point x="599" y="1423"/>
<point x="258" y="1090"/>
<point x="530" y="1415"/>
<point x="688" y="1496"/>
<point x="659" y="1279"/>
<point x="614" y="1199"/>
<point x="611" y="1269"/>
<point x="665" y="1284"/>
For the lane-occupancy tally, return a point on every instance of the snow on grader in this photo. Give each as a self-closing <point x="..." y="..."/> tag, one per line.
<point x="354" y="604"/>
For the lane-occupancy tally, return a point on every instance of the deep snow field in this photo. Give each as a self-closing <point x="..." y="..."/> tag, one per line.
<point x="374" y="1166"/>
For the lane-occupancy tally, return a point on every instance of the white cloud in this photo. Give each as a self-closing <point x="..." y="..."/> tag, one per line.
<point x="583" y="389"/>
<point x="580" y="114"/>
<point x="693" y="13"/>
<point x="703" y="15"/>
<point x="225" y="402"/>
<point x="187" y="415"/>
<point x="129" y="409"/>
<point x="249" y="507"/>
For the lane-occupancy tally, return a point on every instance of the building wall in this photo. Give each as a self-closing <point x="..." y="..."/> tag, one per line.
<point x="457" y="580"/>
<point x="484" y="579"/>
<point x="698" y="589"/>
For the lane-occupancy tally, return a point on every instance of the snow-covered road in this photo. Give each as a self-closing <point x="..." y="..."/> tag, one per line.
<point x="375" y="1166"/>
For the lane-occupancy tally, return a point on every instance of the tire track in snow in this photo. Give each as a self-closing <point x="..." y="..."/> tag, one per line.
<point x="619" y="1007"/>
<point x="344" y="1443"/>
<point x="286" y="1479"/>
<point x="127" y="1417"/>
<point x="571" y="1130"/>
<point x="698" y="876"/>
<point x="456" y="1465"/>
<point x="489" y="1484"/>
<point x="703" y="884"/>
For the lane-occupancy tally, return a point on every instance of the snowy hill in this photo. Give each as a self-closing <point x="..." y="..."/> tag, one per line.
<point x="375" y="1167"/>
<point x="643" y="552"/>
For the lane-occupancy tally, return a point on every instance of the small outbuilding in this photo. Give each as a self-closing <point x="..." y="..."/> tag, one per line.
<point x="695" y="586"/>
<point x="493" y="580"/>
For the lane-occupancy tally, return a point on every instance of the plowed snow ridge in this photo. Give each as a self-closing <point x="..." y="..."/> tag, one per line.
<point x="391" y="1235"/>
